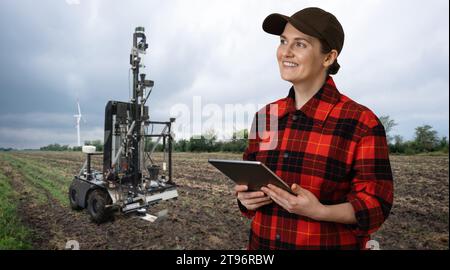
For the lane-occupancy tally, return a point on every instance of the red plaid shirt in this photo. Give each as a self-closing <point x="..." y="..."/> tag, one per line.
<point x="335" y="148"/>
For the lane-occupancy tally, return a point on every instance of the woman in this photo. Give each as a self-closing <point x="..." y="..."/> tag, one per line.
<point x="330" y="149"/>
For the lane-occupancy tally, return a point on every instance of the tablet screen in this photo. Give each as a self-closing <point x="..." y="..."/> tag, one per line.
<point x="254" y="174"/>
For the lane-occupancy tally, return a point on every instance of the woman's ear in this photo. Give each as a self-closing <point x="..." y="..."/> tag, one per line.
<point x="330" y="58"/>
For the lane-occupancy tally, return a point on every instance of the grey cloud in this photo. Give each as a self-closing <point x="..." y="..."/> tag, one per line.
<point x="53" y="53"/>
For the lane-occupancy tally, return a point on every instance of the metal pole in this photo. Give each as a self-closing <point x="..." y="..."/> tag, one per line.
<point x="119" y="152"/>
<point x="170" y="154"/>
<point x="134" y="115"/>
<point x="88" y="175"/>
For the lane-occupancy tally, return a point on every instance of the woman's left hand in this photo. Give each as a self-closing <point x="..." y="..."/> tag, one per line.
<point x="304" y="204"/>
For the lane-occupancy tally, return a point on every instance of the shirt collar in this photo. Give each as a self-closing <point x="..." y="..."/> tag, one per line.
<point x="318" y="107"/>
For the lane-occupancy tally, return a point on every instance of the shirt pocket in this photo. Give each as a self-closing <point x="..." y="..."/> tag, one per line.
<point x="334" y="168"/>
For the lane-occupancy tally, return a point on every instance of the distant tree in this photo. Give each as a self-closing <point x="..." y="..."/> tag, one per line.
<point x="443" y="145"/>
<point x="238" y="143"/>
<point x="398" y="139"/>
<point x="149" y="144"/>
<point x="426" y="139"/>
<point x="160" y="147"/>
<point x="198" y="144"/>
<point x="210" y="140"/>
<point x="236" y="146"/>
<point x="410" y="148"/>
<point x="181" y="145"/>
<point x="388" y="124"/>
<point x="207" y="142"/>
<point x="240" y="134"/>
<point x="55" y="147"/>
<point x="398" y="146"/>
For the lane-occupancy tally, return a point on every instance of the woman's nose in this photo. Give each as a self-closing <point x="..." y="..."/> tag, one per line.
<point x="287" y="51"/>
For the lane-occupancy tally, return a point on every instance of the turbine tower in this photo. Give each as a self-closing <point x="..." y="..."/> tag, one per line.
<point x="78" y="119"/>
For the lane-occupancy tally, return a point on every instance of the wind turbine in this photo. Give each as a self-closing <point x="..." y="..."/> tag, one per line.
<point x="78" y="119"/>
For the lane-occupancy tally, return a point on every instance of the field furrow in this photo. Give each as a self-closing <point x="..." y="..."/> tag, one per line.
<point x="43" y="177"/>
<point x="205" y="215"/>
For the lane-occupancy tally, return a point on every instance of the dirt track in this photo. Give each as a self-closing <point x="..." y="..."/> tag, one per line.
<point x="206" y="217"/>
<point x="192" y="221"/>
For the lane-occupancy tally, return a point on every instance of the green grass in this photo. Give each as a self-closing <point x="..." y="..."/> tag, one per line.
<point x="42" y="177"/>
<point x="48" y="169"/>
<point x="13" y="235"/>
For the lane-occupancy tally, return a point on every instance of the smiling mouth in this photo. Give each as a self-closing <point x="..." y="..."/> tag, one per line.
<point x="289" y="64"/>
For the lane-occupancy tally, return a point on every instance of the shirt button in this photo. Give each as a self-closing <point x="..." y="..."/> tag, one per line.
<point x="294" y="117"/>
<point x="285" y="155"/>
<point x="277" y="237"/>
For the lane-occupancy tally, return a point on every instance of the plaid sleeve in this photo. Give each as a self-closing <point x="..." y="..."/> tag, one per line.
<point x="372" y="185"/>
<point x="250" y="154"/>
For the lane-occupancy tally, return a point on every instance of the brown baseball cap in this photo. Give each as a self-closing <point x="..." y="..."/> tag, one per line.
<point x="312" y="21"/>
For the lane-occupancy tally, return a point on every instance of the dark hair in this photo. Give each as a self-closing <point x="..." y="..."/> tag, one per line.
<point x="325" y="48"/>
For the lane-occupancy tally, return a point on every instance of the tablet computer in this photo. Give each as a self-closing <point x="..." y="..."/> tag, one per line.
<point x="254" y="174"/>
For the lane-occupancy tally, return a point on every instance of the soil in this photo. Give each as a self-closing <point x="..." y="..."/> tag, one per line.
<point x="205" y="215"/>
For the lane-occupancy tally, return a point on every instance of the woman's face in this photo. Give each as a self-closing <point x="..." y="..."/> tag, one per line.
<point x="299" y="56"/>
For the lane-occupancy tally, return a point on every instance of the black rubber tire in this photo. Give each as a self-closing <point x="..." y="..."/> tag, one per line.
<point x="97" y="201"/>
<point x="73" y="198"/>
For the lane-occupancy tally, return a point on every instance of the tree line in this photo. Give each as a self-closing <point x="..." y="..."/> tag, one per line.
<point x="58" y="147"/>
<point x="425" y="140"/>
<point x="206" y="143"/>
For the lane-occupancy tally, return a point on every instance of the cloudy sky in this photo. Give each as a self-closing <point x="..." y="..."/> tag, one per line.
<point x="210" y="53"/>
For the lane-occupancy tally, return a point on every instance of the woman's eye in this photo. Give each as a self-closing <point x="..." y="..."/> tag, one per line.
<point x="282" y="41"/>
<point x="301" y="45"/>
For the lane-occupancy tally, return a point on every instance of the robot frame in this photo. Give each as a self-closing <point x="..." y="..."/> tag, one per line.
<point x="126" y="184"/>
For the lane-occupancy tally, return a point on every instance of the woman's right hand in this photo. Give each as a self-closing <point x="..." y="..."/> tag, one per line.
<point x="251" y="200"/>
